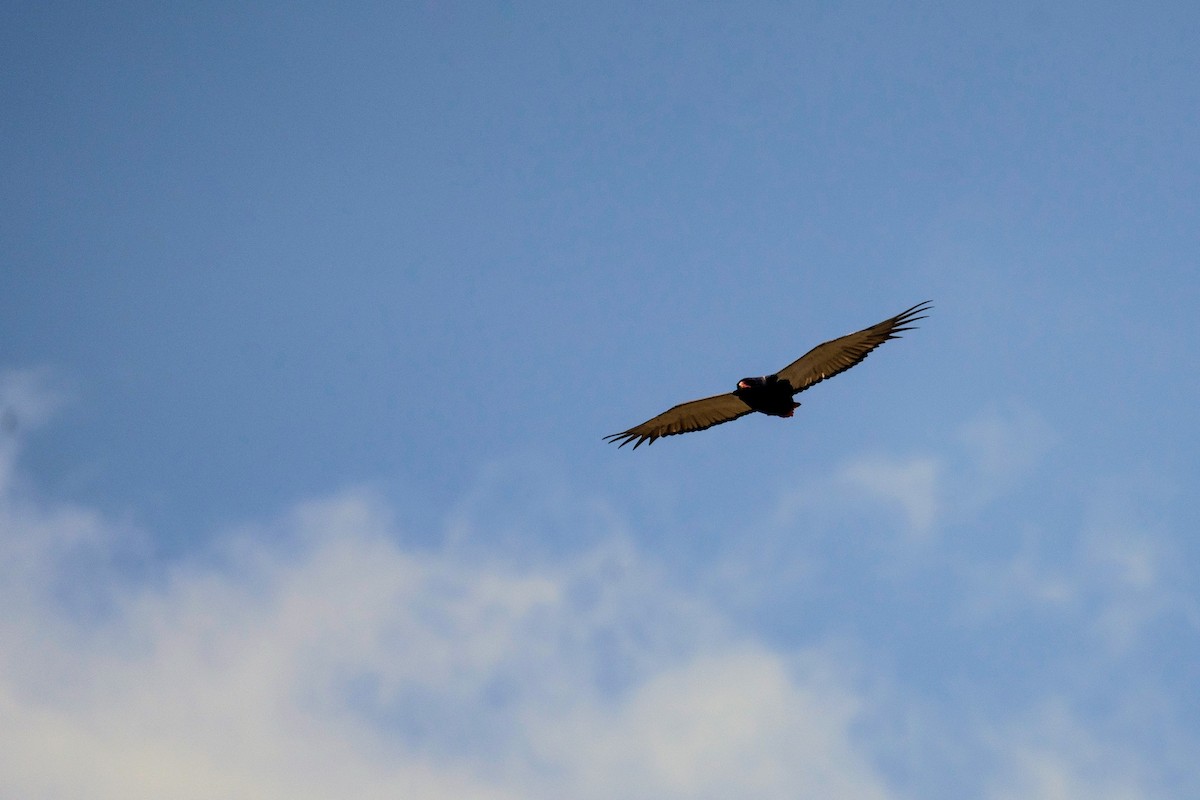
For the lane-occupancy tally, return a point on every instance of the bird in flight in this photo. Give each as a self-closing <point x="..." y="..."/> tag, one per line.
<point x="772" y="394"/>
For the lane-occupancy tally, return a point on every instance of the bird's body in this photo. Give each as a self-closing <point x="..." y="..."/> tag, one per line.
<point x="768" y="395"/>
<point x="772" y="394"/>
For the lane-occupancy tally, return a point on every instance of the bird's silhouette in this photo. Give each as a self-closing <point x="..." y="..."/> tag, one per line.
<point x="772" y="394"/>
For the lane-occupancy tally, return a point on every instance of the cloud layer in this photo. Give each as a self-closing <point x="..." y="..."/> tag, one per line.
<point x="324" y="653"/>
<point x="317" y="656"/>
<point x="334" y="663"/>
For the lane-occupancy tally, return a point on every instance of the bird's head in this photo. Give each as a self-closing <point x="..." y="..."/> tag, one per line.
<point x="750" y="383"/>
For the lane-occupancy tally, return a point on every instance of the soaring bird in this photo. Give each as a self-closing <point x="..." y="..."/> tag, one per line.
<point x="772" y="394"/>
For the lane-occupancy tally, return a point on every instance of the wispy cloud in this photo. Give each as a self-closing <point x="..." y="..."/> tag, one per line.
<point x="1114" y="576"/>
<point x="28" y="398"/>
<point x="912" y="485"/>
<point x="1111" y="570"/>
<point x="1049" y="755"/>
<point x="912" y="498"/>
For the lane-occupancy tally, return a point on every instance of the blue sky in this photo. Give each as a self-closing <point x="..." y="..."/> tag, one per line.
<point x="312" y="320"/>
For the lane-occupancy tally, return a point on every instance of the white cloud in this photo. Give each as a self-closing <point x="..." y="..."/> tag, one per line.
<point x="733" y="723"/>
<point x="316" y="657"/>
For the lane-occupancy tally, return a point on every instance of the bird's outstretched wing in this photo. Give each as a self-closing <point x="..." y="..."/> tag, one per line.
<point x="838" y="355"/>
<point x="684" y="418"/>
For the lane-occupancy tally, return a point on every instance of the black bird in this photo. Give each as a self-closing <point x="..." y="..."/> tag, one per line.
<point x="772" y="394"/>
